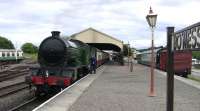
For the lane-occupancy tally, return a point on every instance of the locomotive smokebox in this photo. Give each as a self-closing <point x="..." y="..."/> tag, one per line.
<point x="55" y="33"/>
<point x="52" y="50"/>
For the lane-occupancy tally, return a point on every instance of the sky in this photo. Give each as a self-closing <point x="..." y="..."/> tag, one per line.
<point x="32" y="21"/>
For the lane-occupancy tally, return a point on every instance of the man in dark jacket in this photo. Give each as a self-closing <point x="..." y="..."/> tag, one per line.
<point x="93" y="64"/>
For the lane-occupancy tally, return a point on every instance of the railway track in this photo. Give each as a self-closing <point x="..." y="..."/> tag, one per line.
<point x="5" y="75"/>
<point x="8" y="90"/>
<point x="35" y="102"/>
<point x="4" y="65"/>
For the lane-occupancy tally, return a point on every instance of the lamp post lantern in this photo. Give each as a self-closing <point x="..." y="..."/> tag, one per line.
<point x="151" y="19"/>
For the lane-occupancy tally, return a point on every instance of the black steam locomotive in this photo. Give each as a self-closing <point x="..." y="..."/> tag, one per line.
<point x="61" y="62"/>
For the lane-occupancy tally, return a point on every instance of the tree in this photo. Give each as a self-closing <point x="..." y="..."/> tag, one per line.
<point x="29" y="48"/>
<point x="196" y="54"/>
<point x="5" y="43"/>
<point x="127" y="50"/>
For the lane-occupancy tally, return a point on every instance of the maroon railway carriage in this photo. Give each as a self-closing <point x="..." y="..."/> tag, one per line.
<point x="101" y="57"/>
<point x="182" y="61"/>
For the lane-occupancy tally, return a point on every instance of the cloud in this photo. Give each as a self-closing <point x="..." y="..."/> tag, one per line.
<point x="32" y="20"/>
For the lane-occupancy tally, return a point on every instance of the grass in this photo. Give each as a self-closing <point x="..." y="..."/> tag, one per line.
<point x="31" y="56"/>
<point x="195" y="78"/>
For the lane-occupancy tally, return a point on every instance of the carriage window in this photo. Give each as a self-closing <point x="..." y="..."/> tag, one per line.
<point x="3" y="54"/>
<point x="17" y="54"/>
<point x="13" y="54"/>
<point x="8" y="54"/>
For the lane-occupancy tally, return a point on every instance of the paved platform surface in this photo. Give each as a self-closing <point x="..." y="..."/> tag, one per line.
<point x="116" y="89"/>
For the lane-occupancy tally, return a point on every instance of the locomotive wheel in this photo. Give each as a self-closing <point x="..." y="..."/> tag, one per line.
<point x="39" y="91"/>
<point x="60" y="86"/>
<point x="80" y="73"/>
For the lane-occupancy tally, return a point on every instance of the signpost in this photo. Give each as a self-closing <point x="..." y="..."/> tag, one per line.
<point x="170" y="69"/>
<point x="188" y="38"/>
<point x="185" y="39"/>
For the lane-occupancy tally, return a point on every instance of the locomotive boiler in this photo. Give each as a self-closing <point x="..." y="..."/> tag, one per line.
<point x="62" y="61"/>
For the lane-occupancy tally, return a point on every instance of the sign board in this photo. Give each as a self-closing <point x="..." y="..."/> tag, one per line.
<point x="188" y="38"/>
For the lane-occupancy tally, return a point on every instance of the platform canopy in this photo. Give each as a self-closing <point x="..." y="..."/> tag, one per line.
<point x="99" y="40"/>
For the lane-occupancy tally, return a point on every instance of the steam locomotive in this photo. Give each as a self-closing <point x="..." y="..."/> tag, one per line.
<point x="62" y="61"/>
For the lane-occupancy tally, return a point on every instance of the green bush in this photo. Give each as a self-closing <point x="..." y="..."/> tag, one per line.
<point x="29" y="48"/>
<point x="196" y="54"/>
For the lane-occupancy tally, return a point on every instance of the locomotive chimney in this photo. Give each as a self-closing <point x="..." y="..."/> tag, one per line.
<point x="55" y="33"/>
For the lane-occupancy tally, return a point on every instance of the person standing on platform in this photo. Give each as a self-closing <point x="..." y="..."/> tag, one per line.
<point x="93" y="65"/>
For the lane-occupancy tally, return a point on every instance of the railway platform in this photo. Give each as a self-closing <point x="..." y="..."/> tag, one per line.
<point x="115" y="88"/>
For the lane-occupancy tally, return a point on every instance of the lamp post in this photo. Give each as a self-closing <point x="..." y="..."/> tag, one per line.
<point x="151" y="19"/>
<point x="128" y="53"/>
<point x="131" y="68"/>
